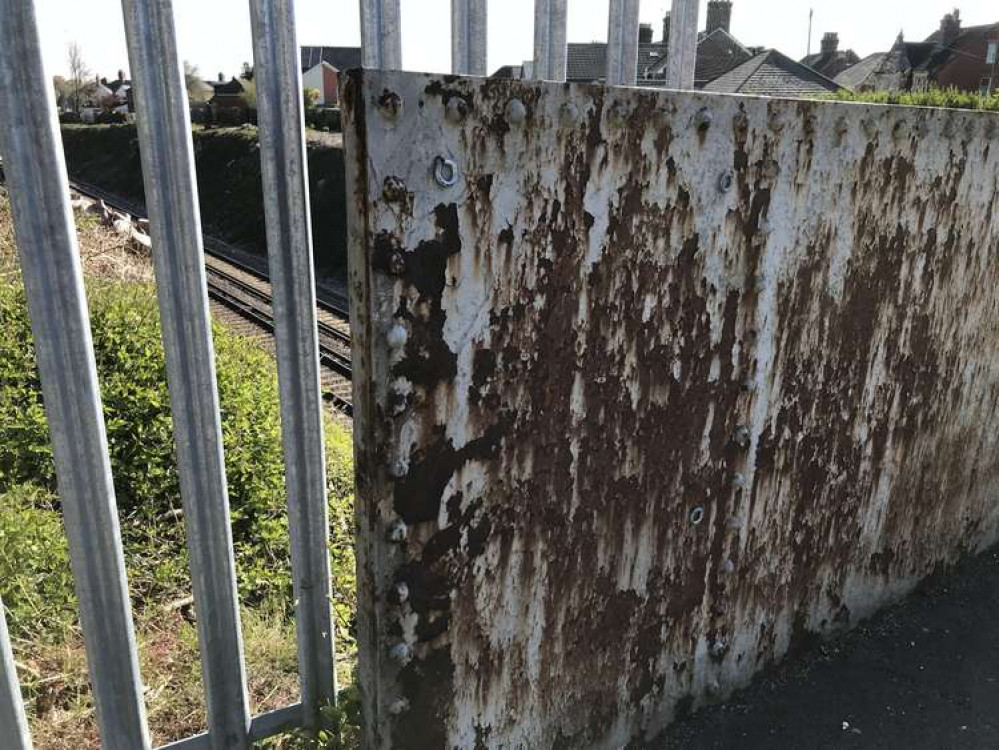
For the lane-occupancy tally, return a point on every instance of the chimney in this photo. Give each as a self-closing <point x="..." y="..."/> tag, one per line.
<point x="830" y="43"/>
<point x="666" y="29"/>
<point x="221" y="78"/>
<point x="645" y="33"/>
<point x="719" y="15"/>
<point x="950" y="28"/>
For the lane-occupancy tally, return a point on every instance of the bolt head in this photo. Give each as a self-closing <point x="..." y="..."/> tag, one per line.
<point x="728" y="567"/>
<point x="397" y="264"/>
<point x="726" y="181"/>
<point x="739" y="480"/>
<point x="741" y="437"/>
<point x="397" y="469"/>
<point x="516" y="112"/>
<point x="401" y="592"/>
<point x="445" y="172"/>
<point x="703" y="118"/>
<point x="401" y="652"/>
<point x="396" y="336"/>
<point x="456" y="109"/>
<point x="397" y="531"/>
<point x="390" y="105"/>
<point x="399" y="706"/>
<point x="394" y="190"/>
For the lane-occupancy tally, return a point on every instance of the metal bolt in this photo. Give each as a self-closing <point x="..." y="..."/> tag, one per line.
<point x="728" y="567"/>
<point x="399" y="706"/>
<point x="401" y="652"/>
<point x="742" y="437"/>
<point x="397" y="264"/>
<point x="696" y="515"/>
<point x="516" y="112"/>
<point x="397" y="531"/>
<point x="396" y="336"/>
<point x="397" y="469"/>
<point x="445" y="172"/>
<point x="726" y="180"/>
<point x="703" y="119"/>
<point x="390" y="104"/>
<point x="718" y="650"/>
<point x="394" y="189"/>
<point x="401" y="592"/>
<point x="570" y="114"/>
<point x="456" y="109"/>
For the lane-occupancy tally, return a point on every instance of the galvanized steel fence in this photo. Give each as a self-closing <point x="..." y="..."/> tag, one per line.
<point x="45" y="231"/>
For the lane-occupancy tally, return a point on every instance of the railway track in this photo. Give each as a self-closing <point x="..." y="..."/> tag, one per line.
<point x="245" y="291"/>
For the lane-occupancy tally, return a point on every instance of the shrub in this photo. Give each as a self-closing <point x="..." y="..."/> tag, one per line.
<point x="131" y="369"/>
<point x="949" y="98"/>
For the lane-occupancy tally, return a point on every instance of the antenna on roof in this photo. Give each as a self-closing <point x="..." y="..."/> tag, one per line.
<point x="811" y="13"/>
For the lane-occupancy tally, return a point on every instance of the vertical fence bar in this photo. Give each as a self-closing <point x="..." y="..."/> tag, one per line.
<point x="289" y="245"/>
<point x="682" y="51"/>
<point x="622" y="43"/>
<point x="167" y="155"/>
<point x="381" y="35"/>
<point x="53" y="280"/>
<point x="469" y="43"/>
<point x="550" y="40"/>
<point x="13" y="724"/>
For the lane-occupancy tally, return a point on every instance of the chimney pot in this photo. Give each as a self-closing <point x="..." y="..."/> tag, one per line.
<point x="830" y="43"/>
<point x="950" y="27"/>
<point x="666" y="29"/>
<point x="719" y="15"/>
<point x="221" y="78"/>
<point x="121" y="74"/>
<point x="645" y="33"/>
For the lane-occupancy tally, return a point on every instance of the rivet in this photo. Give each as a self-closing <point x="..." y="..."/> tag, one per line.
<point x="399" y="706"/>
<point x="401" y="652"/>
<point x="398" y="468"/>
<point x="397" y="264"/>
<point x="390" y="104"/>
<point x="696" y="515"/>
<point x="394" y="189"/>
<point x="569" y="114"/>
<point x="445" y="172"/>
<point x="718" y="650"/>
<point x="516" y="112"/>
<point x="398" y="401"/>
<point x="396" y="336"/>
<point x="401" y="592"/>
<point x="726" y="180"/>
<point x="456" y="109"/>
<point x="742" y="437"/>
<point x="728" y="567"/>
<point x="398" y="531"/>
<point x="739" y="480"/>
<point x="703" y="119"/>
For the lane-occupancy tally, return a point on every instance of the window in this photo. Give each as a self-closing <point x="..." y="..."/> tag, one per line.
<point x="990" y="56"/>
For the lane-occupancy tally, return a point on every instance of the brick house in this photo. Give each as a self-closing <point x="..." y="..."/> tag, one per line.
<point x="321" y="68"/>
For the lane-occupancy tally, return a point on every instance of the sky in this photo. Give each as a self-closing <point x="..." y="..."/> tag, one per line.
<point x="214" y="35"/>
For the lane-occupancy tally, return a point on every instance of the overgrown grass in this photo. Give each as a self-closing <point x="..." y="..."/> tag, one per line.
<point x="947" y="98"/>
<point x="35" y="578"/>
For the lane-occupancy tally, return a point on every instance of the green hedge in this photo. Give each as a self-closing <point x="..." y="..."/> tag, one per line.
<point x="229" y="184"/>
<point x="132" y="375"/>
<point x="947" y="98"/>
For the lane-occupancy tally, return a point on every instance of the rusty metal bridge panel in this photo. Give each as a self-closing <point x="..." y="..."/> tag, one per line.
<point x="648" y="385"/>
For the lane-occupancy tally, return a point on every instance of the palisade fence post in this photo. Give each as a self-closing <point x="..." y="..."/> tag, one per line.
<point x="281" y="123"/>
<point x="622" y="43"/>
<point x="381" y="35"/>
<point x="681" y="53"/>
<point x="550" y="40"/>
<point x="167" y="155"/>
<point x="53" y="279"/>
<point x="13" y="723"/>
<point x="469" y="37"/>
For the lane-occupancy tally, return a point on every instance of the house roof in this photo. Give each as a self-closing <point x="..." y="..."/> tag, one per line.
<point x="936" y="37"/>
<point x="117" y="84"/>
<point x="588" y="61"/>
<point x="509" y="71"/>
<point x="341" y="58"/>
<point x="855" y="76"/>
<point x="831" y="64"/>
<point x="771" y="73"/>
<point x="232" y="86"/>
<point x="717" y="53"/>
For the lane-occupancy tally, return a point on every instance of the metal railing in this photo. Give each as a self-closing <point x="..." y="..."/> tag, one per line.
<point x="46" y="237"/>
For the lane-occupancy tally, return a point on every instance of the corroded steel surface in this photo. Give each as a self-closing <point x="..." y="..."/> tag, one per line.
<point x="659" y="384"/>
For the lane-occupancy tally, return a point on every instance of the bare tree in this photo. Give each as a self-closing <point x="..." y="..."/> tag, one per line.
<point x="79" y="75"/>
<point x="196" y="89"/>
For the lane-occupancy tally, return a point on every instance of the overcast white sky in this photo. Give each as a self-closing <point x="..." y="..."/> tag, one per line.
<point x="215" y="34"/>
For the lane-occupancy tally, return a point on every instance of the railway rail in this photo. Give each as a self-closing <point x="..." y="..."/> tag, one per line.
<point x="246" y="291"/>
